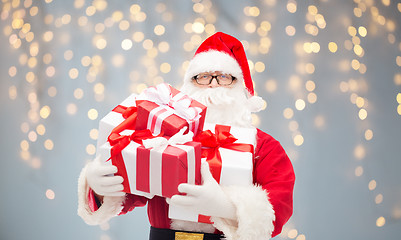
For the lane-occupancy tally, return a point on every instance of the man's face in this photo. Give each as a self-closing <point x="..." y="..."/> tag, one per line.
<point x="224" y="97"/>
<point x="213" y="80"/>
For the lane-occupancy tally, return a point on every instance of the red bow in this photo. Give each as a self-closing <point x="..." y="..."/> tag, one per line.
<point x="211" y="142"/>
<point x="119" y="142"/>
<point x="129" y="114"/>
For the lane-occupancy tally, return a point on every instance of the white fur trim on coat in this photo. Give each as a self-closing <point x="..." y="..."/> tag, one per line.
<point x="211" y="61"/>
<point x="110" y="207"/>
<point x="255" y="214"/>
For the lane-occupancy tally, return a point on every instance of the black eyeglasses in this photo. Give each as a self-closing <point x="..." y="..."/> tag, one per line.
<point x="206" y="79"/>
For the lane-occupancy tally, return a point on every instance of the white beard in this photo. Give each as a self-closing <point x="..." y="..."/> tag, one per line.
<point x="227" y="106"/>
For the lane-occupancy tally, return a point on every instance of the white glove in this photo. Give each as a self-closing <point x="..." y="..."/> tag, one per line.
<point x="207" y="199"/>
<point x="101" y="179"/>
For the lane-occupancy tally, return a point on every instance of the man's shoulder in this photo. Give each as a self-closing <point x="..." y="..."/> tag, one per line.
<point x="262" y="136"/>
<point x="265" y="143"/>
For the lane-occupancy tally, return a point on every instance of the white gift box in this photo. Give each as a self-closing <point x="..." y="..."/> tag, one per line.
<point x="111" y="120"/>
<point x="236" y="169"/>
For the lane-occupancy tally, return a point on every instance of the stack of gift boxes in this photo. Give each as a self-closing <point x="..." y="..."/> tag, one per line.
<point x="158" y="139"/>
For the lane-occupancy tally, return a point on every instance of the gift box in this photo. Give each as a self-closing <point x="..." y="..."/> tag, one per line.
<point x="165" y="109"/>
<point x="125" y="110"/>
<point x="148" y="172"/>
<point x="229" y="152"/>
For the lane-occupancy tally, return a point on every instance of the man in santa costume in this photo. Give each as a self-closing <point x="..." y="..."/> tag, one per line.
<point x="219" y="77"/>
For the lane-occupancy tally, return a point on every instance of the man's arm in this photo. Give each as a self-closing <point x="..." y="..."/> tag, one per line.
<point x="264" y="207"/>
<point x="273" y="170"/>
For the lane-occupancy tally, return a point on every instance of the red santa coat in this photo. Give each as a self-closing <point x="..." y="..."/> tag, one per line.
<point x="262" y="209"/>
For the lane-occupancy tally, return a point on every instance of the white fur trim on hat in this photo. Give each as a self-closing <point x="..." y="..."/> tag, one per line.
<point x="255" y="214"/>
<point x="210" y="61"/>
<point x="110" y="207"/>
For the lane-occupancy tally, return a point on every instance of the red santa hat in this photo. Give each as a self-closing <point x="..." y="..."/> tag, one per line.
<point x="222" y="52"/>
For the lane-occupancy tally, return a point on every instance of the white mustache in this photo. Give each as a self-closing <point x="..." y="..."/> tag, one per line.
<point x="225" y="105"/>
<point x="213" y="96"/>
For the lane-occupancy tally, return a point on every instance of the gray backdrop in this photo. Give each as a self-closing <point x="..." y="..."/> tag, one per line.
<point x="60" y="59"/>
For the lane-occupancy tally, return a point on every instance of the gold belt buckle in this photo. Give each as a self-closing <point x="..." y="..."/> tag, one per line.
<point x="188" y="236"/>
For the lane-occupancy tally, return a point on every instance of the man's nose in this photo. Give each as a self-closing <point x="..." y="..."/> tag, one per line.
<point x="214" y="83"/>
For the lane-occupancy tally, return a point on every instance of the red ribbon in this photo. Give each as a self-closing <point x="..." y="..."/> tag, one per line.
<point x="129" y="114"/>
<point x="211" y="142"/>
<point x="119" y="142"/>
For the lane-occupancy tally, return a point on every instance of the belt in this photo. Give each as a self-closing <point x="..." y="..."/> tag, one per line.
<point x="169" y="234"/>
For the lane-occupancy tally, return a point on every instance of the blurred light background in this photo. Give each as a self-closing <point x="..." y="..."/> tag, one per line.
<point x="330" y="72"/>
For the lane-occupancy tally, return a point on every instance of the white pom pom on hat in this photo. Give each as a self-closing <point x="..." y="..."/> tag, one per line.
<point x="222" y="52"/>
<point x="255" y="103"/>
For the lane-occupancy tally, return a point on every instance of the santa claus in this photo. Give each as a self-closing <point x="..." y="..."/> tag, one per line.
<point x="218" y="76"/>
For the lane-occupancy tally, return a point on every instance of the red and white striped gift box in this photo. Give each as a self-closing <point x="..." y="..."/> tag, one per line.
<point x="165" y="109"/>
<point x="149" y="172"/>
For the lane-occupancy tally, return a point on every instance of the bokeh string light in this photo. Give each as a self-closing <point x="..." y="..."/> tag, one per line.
<point x="357" y="87"/>
<point x="33" y="78"/>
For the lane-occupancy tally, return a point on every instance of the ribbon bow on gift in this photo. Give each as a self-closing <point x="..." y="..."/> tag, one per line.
<point x="129" y="114"/>
<point x="119" y="142"/>
<point x="160" y="143"/>
<point x="162" y="95"/>
<point x="211" y="142"/>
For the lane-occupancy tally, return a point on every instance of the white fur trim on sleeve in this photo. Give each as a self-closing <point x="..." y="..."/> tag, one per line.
<point x="110" y="207"/>
<point x="255" y="214"/>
